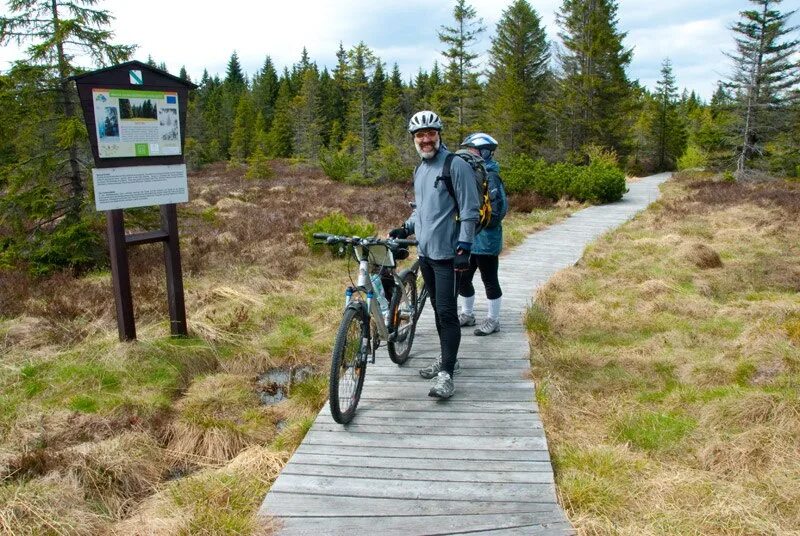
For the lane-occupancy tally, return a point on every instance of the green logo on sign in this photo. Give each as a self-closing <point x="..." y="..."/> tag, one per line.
<point x="142" y="149"/>
<point x="136" y="77"/>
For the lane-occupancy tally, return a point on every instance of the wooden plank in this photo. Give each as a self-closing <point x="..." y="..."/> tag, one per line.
<point x="433" y="404"/>
<point x="410" y="526"/>
<point x="398" y="462"/>
<point x="431" y="475"/>
<point x="332" y="506"/>
<point x="367" y="440"/>
<point x="413" y="489"/>
<point x="368" y="414"/>
<point x="431" y="429"/>
<point x="429" y="453"/>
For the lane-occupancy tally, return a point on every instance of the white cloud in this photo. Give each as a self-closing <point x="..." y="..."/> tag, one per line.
<point x="693" y="34"/>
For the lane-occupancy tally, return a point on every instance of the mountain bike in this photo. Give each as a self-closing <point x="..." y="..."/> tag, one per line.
<point x="363" y="324"/>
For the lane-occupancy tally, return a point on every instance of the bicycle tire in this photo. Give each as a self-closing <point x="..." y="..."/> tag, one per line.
<point x="403" y="318"/>
<point x="422" y="297"/>
<point x="347" y="366"/>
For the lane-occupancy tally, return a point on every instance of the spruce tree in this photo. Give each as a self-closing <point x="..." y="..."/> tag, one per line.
<point x="518" y="78"/>
<point x="307" y="118"/>
<point x="362" y="63"/>
<point x="279" y="137"/>
<point x="594" y="87"/>
<point x="461" y="75"/>
<point x="44" y="193"/>
<point x="265" y="90"/>
<point x="764" y="76"/>
<point x="243" y="136"/>
<point x="669" y="128"/>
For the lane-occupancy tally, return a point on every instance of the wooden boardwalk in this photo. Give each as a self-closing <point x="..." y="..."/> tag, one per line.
<point x="478" y="463"/>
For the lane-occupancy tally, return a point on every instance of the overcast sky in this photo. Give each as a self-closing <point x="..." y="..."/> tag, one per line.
<point x="692" y="33"/>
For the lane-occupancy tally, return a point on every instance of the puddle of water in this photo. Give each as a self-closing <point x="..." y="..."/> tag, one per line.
<point x="273" y="385"/>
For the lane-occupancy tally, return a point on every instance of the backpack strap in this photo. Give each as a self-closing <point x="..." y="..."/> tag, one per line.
<point x="447" y="179"/>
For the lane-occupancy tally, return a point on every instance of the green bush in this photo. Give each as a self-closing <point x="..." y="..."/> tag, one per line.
<point x="258" y="166"/>
<point x="555" y="180"/>
<point x="338" y="224"/>
<point x="598" y="182"/>
<point x="387" y="165"/>
<point x="337" y="165"/>
<point x="694" y="157"/>
<point x="69" y="245"/>
<point x="521" y="172"/>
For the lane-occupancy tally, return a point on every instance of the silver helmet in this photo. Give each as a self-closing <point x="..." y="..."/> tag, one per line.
<point x="483" y="142"/>
<point x="424" y="119"/>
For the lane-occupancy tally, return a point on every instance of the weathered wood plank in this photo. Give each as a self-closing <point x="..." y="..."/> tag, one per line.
<point x="356" y="460"/>
<point x="429" y="453"/>
<point x="413" y="489"/>
<point x="410" y="526"/>
<point x="432" y="429"/>
<point x="367" y="440"/>
<point x="332" y="506"/>
<point x="453" y="475"/>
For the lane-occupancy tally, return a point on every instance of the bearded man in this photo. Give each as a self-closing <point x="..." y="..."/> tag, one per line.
<point x="444" y="229"/>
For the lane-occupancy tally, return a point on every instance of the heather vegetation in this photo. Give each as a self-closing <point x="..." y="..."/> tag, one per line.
<point x="667" y="365"/>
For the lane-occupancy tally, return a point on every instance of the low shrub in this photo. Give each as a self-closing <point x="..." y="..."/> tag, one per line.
<point x="598" y="182"/>
<point x="602" y="181"/>
<point x="338" y="224"/>
<point x="694" y="157"/>
<point x="258" y="166"/>
<point x="337" y="165"/>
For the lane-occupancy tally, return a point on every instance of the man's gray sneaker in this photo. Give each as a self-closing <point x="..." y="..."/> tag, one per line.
<point x="442" y="386"/>
<point x="487" y="327"/>
<point x="466" y="320"/>
<point x="433" y="369"/>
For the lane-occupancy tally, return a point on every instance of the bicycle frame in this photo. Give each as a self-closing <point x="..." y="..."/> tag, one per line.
<point x="364" y="284"/>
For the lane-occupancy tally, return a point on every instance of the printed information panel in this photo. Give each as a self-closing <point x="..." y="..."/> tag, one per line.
<point x="139" y="186"/>
<point x="136" y="123"/>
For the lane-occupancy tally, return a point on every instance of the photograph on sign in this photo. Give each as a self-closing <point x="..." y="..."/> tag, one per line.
<point x="136" y="123"/>
<point x="139" y="186"/>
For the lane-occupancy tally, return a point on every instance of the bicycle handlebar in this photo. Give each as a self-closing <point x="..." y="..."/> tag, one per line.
<point x="391" y="243"/>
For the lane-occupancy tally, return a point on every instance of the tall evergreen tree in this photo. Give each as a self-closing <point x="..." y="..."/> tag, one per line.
<point x="243" y="136"/>
<point x="265" y="90"/>
<point x="234" y="76"/>
<point x="594" y="88"/>
<point x="44" y="191"/>
<point x="669" y="127"/>
<point x="462" y="70"/>
<point x="340" y="98"/>
<point x="765" y="73"/>
<point x="518" y="76"/>
<point x="307" y="118"/>
<point x="281" y="132"/>
<point x="362" y="63"/>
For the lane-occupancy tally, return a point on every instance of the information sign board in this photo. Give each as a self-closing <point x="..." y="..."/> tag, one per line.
<point x="139" y="186"/>
<point x="136" y="123"/>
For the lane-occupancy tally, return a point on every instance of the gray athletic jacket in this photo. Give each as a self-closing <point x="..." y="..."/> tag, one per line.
<point x="434" y="220"/>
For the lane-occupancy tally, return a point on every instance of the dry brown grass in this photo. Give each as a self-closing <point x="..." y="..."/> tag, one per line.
<point x="219" y="417"/>
<point x="668" y="379"/>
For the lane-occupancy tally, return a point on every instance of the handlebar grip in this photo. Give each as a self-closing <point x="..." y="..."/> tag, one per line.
<point x="321" y="236"/>
<point x="405" y="242"/>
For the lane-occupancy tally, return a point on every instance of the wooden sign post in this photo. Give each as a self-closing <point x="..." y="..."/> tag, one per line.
<point x="136" y="118"/>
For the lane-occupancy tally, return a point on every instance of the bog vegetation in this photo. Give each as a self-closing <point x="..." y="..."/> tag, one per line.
<point x="667" y="365"/>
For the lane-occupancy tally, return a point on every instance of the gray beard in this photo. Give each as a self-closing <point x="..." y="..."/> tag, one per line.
<point x="429" y="154"/>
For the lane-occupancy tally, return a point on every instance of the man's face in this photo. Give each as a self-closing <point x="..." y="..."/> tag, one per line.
<point x="427" y="142"/>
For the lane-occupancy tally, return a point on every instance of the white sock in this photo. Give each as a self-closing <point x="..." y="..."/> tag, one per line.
<point x="494" y="309"/>
<point x="469" y="303"/>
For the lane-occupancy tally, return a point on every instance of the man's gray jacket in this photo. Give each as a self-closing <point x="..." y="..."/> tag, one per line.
<point x="434" y="220"/>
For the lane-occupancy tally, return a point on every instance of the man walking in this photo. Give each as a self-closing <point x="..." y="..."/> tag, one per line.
<point x="445" y="229"/>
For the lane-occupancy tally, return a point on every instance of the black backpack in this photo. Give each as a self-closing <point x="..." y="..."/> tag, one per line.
<point x="491" y="211"/>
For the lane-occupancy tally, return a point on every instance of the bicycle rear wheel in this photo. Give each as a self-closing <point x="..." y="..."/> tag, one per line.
<point x="403" y="319"/>
<point x="348" y="365"/>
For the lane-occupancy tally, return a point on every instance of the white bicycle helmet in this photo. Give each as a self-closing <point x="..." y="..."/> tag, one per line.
<point x="483" y="142"/>
<point x="424" y="119"/>
<point x="480" y="140"/>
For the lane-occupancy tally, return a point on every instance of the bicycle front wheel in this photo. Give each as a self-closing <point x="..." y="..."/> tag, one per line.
<point x="403" y="319"/>
<point x="348" y="365"/>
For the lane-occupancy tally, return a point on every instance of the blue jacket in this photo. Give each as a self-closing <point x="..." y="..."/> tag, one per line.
<point x="434" y="220"/>
<point x="490" y="241"/>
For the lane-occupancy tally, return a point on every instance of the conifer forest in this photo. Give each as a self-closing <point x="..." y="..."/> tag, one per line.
<point x="570" y="103"/>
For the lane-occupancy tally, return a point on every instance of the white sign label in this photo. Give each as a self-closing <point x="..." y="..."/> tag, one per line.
<point x="139" y="186"/>
<point x="136" y="77"/>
